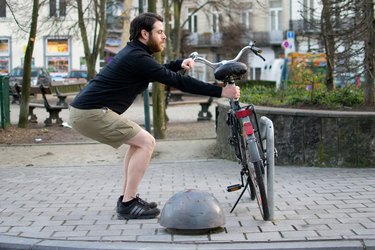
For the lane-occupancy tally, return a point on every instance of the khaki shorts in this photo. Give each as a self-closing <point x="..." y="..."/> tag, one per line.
<point x="103" y="125"/>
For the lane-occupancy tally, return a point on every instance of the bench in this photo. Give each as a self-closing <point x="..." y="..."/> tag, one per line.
<point x="176" y="97"/>
<point x="53" y="110"/>
<point x="62" y="91"/>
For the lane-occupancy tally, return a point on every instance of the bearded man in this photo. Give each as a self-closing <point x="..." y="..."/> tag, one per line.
<point x="97" y="111"/>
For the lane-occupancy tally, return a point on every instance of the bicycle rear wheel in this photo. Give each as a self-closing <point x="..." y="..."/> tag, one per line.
<point x="256" y="176"/>
<point x="251" y="188"/>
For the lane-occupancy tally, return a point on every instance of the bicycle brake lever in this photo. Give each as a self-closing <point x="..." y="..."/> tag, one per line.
<point x="260" y="55"/>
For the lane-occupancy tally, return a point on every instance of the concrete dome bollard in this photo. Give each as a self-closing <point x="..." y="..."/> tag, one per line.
<point x="191" y="210"/>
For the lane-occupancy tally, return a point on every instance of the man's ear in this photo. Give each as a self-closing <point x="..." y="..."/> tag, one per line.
<point x="144" y="34"/>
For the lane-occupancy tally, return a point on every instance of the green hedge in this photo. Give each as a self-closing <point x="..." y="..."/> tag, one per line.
<point x="253" y="83"/>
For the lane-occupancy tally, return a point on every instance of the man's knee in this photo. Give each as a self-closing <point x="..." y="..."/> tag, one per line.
<point x="143" y="139"/>
<point x="151" y="141"/>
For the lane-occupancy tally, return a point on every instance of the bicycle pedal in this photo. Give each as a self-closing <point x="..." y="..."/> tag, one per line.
<point x="234" y="187"/>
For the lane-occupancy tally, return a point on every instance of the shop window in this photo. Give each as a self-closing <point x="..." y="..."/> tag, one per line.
<point x="4" y="65"/>
<point x="57" y="56"/>
<point x="4" y="47"/>
<point x="57" y="46"/>
<point x="58" y="64"/>
<point x="4" y="56"/>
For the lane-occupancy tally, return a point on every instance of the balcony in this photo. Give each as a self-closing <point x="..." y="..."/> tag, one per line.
<point x="305" y="26"/>
<point x="214" y="39"/>
<point x="204" y="39"/>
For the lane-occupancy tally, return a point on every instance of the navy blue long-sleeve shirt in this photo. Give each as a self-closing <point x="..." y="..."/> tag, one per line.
<point x="130" y="72"/>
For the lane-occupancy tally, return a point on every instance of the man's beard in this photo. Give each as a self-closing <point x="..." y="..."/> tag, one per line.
<point x="153" y="45"/>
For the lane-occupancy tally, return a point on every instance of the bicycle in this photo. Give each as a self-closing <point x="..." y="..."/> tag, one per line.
<point x="244" y="136"/>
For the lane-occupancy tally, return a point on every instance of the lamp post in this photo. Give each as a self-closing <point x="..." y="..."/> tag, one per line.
<point x="146" y="101"/>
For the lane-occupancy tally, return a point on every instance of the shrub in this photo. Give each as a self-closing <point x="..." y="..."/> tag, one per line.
<point x="260" y="95"/>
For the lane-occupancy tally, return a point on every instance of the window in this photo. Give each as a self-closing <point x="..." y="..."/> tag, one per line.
<point x="4" y="55"/>
<point x="57" y="46"/>
<point x="308" y="9"/>
<point x="193" y="21"/>
<point x="275" y="15"/>
<point x="3" y="8"/>
<point x="246" y="19"/>
<point x="216" y="22"/>
<point x="4" y="47"/>
<point x="58" y="55"/>
<point x="57" y="8"/>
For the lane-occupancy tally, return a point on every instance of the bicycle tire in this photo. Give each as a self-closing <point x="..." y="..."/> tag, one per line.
<point x="251" y="188"/>
<point x="260" y="190"/>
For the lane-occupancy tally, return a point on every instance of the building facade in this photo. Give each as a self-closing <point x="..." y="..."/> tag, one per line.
<point x="59" y="48"/>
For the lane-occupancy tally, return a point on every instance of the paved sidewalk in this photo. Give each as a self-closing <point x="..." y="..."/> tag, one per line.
<point x="72" y="206"/>
<point x="63" y="197"/>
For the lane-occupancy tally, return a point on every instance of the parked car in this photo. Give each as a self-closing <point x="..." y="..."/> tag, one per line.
<point x="76" y="75"/>
<point x="39" y="76"/>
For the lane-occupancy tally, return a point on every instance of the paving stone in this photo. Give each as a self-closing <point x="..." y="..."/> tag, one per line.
<point x="311" y="204"/>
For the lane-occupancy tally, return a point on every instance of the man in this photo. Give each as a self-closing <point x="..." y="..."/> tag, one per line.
<point x="96" y="111"/>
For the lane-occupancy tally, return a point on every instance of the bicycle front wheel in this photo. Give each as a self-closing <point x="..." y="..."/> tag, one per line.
<point x="256" y="175"/>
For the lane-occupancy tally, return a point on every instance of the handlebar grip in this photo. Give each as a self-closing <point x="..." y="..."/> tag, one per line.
<point x="193" y="55"/>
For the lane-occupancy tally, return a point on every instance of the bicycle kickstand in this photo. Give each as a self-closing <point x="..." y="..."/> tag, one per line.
<point x="239" y="198"/>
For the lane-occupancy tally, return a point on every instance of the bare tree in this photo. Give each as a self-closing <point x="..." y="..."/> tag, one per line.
<point x="80" y="19"/>
<point x="231" y="46"/>
<point x="100" y="32"/>
<point x="24" y="108"/>
<point x="177" y="33"/>
<point x="368" y="10"/>
<point x="329" y="43"/>
<point x="347" y="29"/>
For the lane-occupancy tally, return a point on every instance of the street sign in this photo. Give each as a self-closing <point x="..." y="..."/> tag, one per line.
<point x="290" y="35"/>
<point x="285" y="44"/>
<point x="288" y="44"/>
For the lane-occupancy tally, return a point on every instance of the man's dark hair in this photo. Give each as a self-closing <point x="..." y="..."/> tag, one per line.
<point x="144" y="21"/>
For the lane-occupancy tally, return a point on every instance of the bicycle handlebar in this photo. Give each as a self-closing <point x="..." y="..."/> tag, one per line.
<point x="251" y="47"/>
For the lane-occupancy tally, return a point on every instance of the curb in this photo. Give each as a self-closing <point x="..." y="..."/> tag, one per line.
<point x="11" y="242"/>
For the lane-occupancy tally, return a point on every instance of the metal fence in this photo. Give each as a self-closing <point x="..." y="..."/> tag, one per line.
<point x="4" y="102"/>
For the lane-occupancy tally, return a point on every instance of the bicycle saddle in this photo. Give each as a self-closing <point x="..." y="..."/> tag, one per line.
<point x="235" y="69"/>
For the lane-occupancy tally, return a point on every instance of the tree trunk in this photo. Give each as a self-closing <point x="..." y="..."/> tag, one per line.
<point x="158" y="107"/>
<point x="24" y="107"/>
<point x="329" y="42"/>
<point x="177" y="27"/>
<point x="369" y="54"/>
<point x="100" y="33"/>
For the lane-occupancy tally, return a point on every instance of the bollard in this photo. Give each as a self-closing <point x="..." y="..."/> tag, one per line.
<point x="267" y="133"/>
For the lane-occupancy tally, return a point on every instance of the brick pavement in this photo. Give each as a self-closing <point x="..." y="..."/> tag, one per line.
<point x="73" y="206"/>
<point x="44" y="206"/>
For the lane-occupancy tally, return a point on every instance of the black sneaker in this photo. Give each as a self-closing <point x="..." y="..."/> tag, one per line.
<point x="137" y="209"/>
<point x="150" y="204"/>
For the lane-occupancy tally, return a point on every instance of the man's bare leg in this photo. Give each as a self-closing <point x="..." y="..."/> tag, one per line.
<point x="136" y="162"/>
<point x="127" y="157"/>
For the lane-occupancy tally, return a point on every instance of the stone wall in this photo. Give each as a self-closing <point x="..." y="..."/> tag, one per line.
<point x="313" y="137"/>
